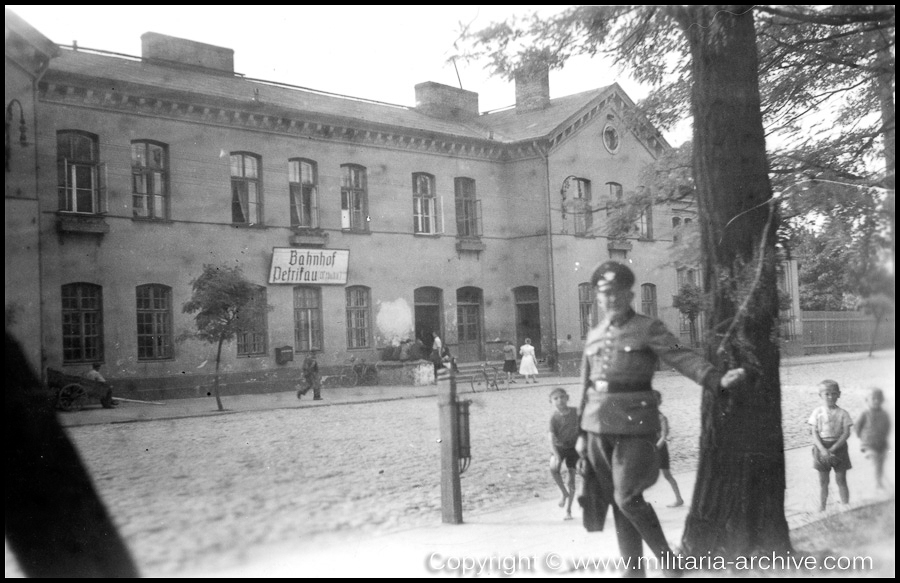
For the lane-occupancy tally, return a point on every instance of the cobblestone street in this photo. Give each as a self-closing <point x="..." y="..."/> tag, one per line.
<point x="196" y="493"/>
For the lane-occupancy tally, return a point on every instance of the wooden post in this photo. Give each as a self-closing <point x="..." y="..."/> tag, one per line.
<point x="451" y="492"/>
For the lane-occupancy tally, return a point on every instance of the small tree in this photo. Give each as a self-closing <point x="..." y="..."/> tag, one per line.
<point x="689" y="302"/>
<point x="225" y="303"/>
<point x="878" y="306"/>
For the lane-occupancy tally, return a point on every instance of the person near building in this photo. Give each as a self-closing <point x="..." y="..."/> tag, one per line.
<point x="311" y="378"/>
<point x="663" y="448"/>
<point x="619" y="415"/>
<point x="563" y="435"/>
<point x="94" y="375"/>
<point x="509" y="360"/>
<point x="528" y="366"/>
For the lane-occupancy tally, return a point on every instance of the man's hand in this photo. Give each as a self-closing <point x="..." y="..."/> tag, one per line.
<point x="733" y="377"/>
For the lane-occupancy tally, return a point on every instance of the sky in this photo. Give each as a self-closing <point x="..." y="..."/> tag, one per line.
<point x="372" y="52"/>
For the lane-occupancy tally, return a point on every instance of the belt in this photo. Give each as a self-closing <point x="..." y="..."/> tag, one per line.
<point x="621" y="387"/>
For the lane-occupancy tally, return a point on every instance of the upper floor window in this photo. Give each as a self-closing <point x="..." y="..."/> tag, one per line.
<point x="645" y="223"/>
<point x="358" y="317"/>
<point x="246" y="189"/>
<point x="307" y="319"/>
<point x="154" y="322"/>
<point x="425" y="210"/>
<point x="149" y="180"/>
<point x="618" y="255"/>
<point x="611" y="139"/>
<point x="82" y="321"/>
<point x="648" y="300"/>
<point x="468" y="208"/>
<point x="354" y="198"/>
<point x="586" y="311"/>
<point x="303" y="181"/>
<point x="686" y="275"/>
<point x="251" y="337"/>
<point x="615" y="195"/>
<point x="81" y="179"/>
<point x="581" y="206"/>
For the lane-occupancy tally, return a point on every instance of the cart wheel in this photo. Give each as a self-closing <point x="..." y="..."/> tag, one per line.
<point x="71" y="397"/>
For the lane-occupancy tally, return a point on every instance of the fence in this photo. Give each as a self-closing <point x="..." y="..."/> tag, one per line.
<point x="827" y="332"/>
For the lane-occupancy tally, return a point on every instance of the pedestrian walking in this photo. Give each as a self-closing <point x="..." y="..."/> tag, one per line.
<point x="663" y="448"/>
<point x="528" y="366"/>
<point x="619" y="415"/>
<point x="509" y="360"/>
<point x="830" y="431"/>
<point x="311" y="378"/>
<point x="872" y="428"/>
<point x="563" y="435"/>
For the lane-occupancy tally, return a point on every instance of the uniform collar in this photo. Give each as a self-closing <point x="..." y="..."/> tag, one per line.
<point x="623" y="319"/>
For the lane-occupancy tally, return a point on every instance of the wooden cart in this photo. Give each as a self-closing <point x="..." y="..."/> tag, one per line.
<point x="72" y="393"/>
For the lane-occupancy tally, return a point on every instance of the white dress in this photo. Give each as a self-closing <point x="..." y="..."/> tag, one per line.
<point x="528" y="366"/>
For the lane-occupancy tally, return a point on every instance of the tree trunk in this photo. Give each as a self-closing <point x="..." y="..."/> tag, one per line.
<point x="216" y="380"/>
<point x="738" y="501"/>
<point x="885" y="87"/>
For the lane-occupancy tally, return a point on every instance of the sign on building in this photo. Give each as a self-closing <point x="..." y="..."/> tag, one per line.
<point x="309" y="266"/>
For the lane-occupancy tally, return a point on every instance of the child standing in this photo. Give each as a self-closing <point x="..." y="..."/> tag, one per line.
<point x="563" y="435"/>
<point x="873" y="427"/>
<point x="830" y="431"/>
<point x="528" y="366"/>
<point x="663" y="450"/>
<point x="509" y="361"/>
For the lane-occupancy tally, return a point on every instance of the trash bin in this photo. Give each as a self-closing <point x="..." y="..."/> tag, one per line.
<point x="284" y="354"/>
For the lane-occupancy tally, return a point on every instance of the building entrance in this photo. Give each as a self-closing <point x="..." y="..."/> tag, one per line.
<point x="428" y="315"/>
<point x="468" y="324"/>
<point x="528" y="317"/>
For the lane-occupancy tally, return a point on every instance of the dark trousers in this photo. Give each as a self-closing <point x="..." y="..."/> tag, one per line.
<point x="625" y="466"/>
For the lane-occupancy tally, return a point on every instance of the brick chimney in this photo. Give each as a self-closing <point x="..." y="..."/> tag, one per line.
<point x="446" y="102"/>
<point x="173" y="50"/>
<point x="532" y="89"/>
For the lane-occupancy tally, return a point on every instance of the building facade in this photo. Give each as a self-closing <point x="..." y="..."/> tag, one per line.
<point x="436" y="220"/>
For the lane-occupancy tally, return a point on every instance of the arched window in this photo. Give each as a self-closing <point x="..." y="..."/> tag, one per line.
<point x="150" y="180"/>
<point x="359" y="317"/>
<point x="648" y="300"/>
<point x="303" y="187"/>
<point x="82" y="322"/>
<point x="582" y="210"/>
<point x="307" y="318"/>
<point x="154" y="321"/>
<point x="246" y="188"/>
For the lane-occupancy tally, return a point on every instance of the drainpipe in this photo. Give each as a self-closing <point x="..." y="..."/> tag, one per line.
<point x="554" y="345"/>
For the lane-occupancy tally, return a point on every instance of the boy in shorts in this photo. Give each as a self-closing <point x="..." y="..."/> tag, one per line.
<point x="873" y="427"/>
<point x="563" y="435"/>
<point x="830" y="431"/>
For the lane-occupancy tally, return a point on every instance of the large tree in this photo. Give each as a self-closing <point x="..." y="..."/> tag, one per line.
<point x="738" y="506"/>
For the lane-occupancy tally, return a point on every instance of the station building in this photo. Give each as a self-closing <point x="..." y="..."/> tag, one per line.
<point x="408" y="222"/>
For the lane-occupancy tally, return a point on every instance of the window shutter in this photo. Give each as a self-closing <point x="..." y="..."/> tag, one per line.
<point x="314" y="219"/>
<point x="439" y="219"/>
<point x="102" y="193"/>
<point x="64" y="189"/>
<point x="479" y="228"/>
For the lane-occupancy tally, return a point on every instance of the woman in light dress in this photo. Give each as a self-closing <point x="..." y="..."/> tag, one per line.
<point x="528" y="366"/>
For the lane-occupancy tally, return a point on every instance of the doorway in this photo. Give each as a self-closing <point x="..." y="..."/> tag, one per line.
<point x="528" y="317"/>
<point x="468" y="324"/>
<point x="427" y="302"/>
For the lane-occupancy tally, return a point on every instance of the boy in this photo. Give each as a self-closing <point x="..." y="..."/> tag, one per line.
<point x="873" y="427"/>
<point x="663" y="450"/>
<point x="563" y="435"/>
<point x="830" y="431"/>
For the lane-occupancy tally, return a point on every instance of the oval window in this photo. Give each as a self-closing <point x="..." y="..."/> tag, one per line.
<point x="611" y="139"/>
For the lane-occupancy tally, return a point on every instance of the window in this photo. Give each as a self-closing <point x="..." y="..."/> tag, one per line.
<point x="618" y="255"/>
<point x="614" y="199"/>
<point x="648" y="300"/>
<point x="149" y="180"/>
<point x="425" y="219"/>
<point x="587" y="314"/>
<point x="303" y="182"/>
<point x="154" y="322"/>
<point x="354" y="198"/>
<point x="645" y="222"/>
<point x="358" y="317"/>
<point x="307" y="319"/>
<point x="82" y="319"/>
<point x="81" y="179"/>
<point x="468" y="208"/>
<point x="676" y="226"/>
<point x="251" y="339"/>
<point x="581" y="206"/>
<point x="686" y="275"/>
<point x="246" y="189"/>
<point x="611" y="139"/>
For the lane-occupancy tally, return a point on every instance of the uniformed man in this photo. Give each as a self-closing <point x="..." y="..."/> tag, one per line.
<point x="619" y="414"/>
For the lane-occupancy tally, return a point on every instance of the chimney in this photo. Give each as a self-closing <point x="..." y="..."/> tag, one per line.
<point x="172" y="50"/>
<point x="532" y="88"/>
<point x="446" y="102"/>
